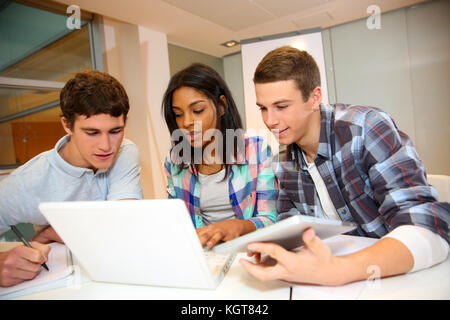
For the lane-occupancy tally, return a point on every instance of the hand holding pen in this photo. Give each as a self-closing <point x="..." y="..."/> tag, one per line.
<point x="22" y="263"/>
<point x="25" y="242"/>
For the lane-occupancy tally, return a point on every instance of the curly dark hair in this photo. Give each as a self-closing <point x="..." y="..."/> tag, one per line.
<point x="90" y="93"/>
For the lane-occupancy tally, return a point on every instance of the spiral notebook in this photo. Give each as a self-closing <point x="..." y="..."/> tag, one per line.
<point x="59" y="264"/>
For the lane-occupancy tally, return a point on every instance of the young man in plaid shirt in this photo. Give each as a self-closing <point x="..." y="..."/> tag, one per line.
<point x="348" y="163"/>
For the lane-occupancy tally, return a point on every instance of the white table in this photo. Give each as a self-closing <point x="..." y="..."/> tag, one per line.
<point x="432" y="283"/>
<point x="236" y="285"/>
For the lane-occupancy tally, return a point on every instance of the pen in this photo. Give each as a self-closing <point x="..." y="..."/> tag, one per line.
<point x="25" y="242"/>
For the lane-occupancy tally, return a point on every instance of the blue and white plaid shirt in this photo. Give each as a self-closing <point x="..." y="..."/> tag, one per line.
<point x="252" y="186"/>
<point x="372" y="173"/>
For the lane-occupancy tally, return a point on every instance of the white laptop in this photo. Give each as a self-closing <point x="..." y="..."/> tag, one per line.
<point x="146" y="242"/>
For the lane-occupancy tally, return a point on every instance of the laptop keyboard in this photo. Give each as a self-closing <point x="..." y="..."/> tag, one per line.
<point x="218" y="262"/>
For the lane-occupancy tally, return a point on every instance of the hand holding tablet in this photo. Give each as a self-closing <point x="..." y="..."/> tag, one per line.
<point x="287" y="233"/>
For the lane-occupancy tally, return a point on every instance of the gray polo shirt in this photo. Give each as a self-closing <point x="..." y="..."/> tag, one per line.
<point x="48" y="177"/>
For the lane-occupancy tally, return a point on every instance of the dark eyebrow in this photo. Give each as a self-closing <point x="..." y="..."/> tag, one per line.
<point x="95" y="129"/>
<point x="191" y="104"/>
<point x="117" y="128"/>
<point x="282" y="101"/>
<point x="275" y="103"/>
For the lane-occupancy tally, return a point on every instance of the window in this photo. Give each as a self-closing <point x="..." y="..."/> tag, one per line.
<point x="38" y="55"/>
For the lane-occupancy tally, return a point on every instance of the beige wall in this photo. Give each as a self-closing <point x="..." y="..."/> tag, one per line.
<point x="402" y="68"/>
<point x="138" y="58"/>
<point x="232" y="67"/>
<point x="379" y="74"/>
<point x="155" y="66"/>
<point x="180" y="58"/>
<point x="429" y="52"/>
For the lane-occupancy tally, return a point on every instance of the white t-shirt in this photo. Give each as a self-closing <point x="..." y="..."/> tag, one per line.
<point x="215" y="203"/>
<point x="426" y="247"/>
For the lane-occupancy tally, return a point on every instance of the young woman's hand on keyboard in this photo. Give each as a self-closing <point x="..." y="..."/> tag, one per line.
<point x="224" y="231"/>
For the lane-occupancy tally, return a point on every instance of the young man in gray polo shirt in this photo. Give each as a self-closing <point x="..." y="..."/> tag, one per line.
<point x="92" y="162"/>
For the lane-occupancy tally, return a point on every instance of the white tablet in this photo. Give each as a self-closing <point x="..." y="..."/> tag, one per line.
<point x="287" y="233"/>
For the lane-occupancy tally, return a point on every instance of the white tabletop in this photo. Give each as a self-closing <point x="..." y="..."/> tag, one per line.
<point x="432" y="283"/>
<point x="236" y="285"/>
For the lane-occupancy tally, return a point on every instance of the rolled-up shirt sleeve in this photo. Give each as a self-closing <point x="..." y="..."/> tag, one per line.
<point x="426" y="247"/>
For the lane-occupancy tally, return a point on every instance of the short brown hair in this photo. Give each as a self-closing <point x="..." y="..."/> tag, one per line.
<point x="288" y="63"/>
<point x="93" y="92"/>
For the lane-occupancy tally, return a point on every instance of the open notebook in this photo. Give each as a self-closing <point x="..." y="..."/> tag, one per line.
<point x="59" y="264"/>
